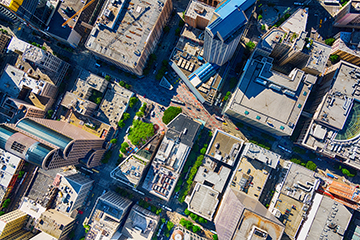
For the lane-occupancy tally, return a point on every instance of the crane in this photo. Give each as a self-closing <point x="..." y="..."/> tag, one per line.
<point x="78" y="12"/>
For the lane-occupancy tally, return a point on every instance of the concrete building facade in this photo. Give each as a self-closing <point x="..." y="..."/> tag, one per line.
<point x="55" y="224"/>
<point x="348" y="16"/>
<point x="11" y="222"/>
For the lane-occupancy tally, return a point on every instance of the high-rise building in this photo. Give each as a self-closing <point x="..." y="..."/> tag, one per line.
<point x="223" y="34"/>
<point x="11" y="222"/>
<point x="349" y="15"/>
<point x="55" y="224"/>
<point x="127" y="32"/>
<point x="4" y="42"/>
<point x="51" y="144"/>
<point x="107" y="216"/>
<point x="198" y="14"/>
<point x="347" y="47"/>
<point x="23" y="8"/>
<point x="75" y="187"/>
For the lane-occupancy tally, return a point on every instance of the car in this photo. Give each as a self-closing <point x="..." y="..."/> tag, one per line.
<point x="189" y="108"/>
<point x="198" y="109"/>
<point x="128" y="129"/>
<point x="153" y="114"/>
<point x="97" y="65"/>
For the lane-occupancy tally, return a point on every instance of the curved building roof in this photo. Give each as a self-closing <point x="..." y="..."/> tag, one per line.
<point x="44" y="133"/>
<point x="37" y="153"/>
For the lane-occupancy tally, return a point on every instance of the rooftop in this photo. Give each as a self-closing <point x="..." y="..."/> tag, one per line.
<point x="327" y="218"/>
<point x="250" y="177"/>
<point x="53" y="222"/>
<point x="295" y="198"/>
<point x="107" y="215"/>
<point x="224" y="147"/>
<point x="237" y="206"/>
<point x="228" y="18"/>
<point x="333" y="130"/>
<point x="32" y="208"/>
<point x="17" y="84"/>
<point x="203" y="201"/>
<point x="130" y="171"/>
<point x="140" y="224"/>
<point x="87" y="82"/>
<point x="78" y="104"/>
<point x="122" y="29"/>
<point x="197" y="9"/>
<point x="181" y="233"/>
<point x="212" y="174"/>
<point x="113" y="105"/>
<point x="71" y="189"/>
<point x="269" y="97"/>
<point x="184" y="128"/>
<point x="9" y="164"/>
<point x="267" y="157"/>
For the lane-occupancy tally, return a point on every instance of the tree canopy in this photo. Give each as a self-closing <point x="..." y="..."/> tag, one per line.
<point x="170" y="113"/>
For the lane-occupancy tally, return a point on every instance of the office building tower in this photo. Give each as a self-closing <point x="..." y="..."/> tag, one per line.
<point x="51" y="144"/>
<point x="223" y="34"/>
<point x="348" y="16"/>
<point x="22" y="8"/>
<point x="107" y="216"/>
<point x="11" y="222"/>
<point x="75" y="187"/>
<point x="55" y="224"/>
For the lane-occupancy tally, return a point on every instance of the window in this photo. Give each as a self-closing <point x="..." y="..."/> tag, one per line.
<point x="18" y="147"/>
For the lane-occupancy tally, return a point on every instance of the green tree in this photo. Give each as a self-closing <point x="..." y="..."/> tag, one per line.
<point x="202" y="220"/>
<point x="121" y="156"/>
<point x="250" y="45"/>
<point x="177" y="32"/>
<point x="126" y="116"/>
<point x="187" y="212"/>
<point x="133" y="101"/>
<point x="121" y="124"/>
<point x="107" y="78"/>
<point x="215" y="237"/>
<point x="140" y="132"/>
<point x="194" y="216"/>
<point x="140" y="114"/>
<point x="122" y="83"/>
<point x="113" y="141"/>
<point x="260" y="17"/>
<point x="123" y="147"/>
<point x="2" y="213"/>
<point x="330" y="41"/>
<point x="334" y="58"/>
<point x="6" y="203"/>
<point x="181" y="23"/>
<point x="196" y="228"/>
<point x="263" y="27"/>
<point x="49" y="113"/>
<point x="166" y="29"/>
<point x="203" y="150"/>
<point x="311" y="165"/>
<point x="21" y="174"/>
<point x="170" y="113"/>
<point x="127" y="86"/>
<point x="169" y="225"/>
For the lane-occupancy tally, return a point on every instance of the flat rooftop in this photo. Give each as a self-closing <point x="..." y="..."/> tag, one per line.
<point x="78" y="104"/>
<point x="328" y="218"/>
<point x="140" y="224"/>
<point x="212" y="174"/>
<point x="203" y="201"/>
<point x="53" y="222"/>
<point x="224" y="147"/>
<point x="122" y="29"/>
<point x="250" y="177"/>
<point x="9" y="165"/>
<point x="262" y="155"/>
<point x="319" y="54"/>
<point x="291" y="213"/>
<point x="296" y="22"/>
<point x="89" y="124"/>
<point x="113" y="105"/>
<point x="196" y="8"/>
<point x="269" y="97"/>
<point x="130" y="171"/>
<point x="87" y="82"/>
